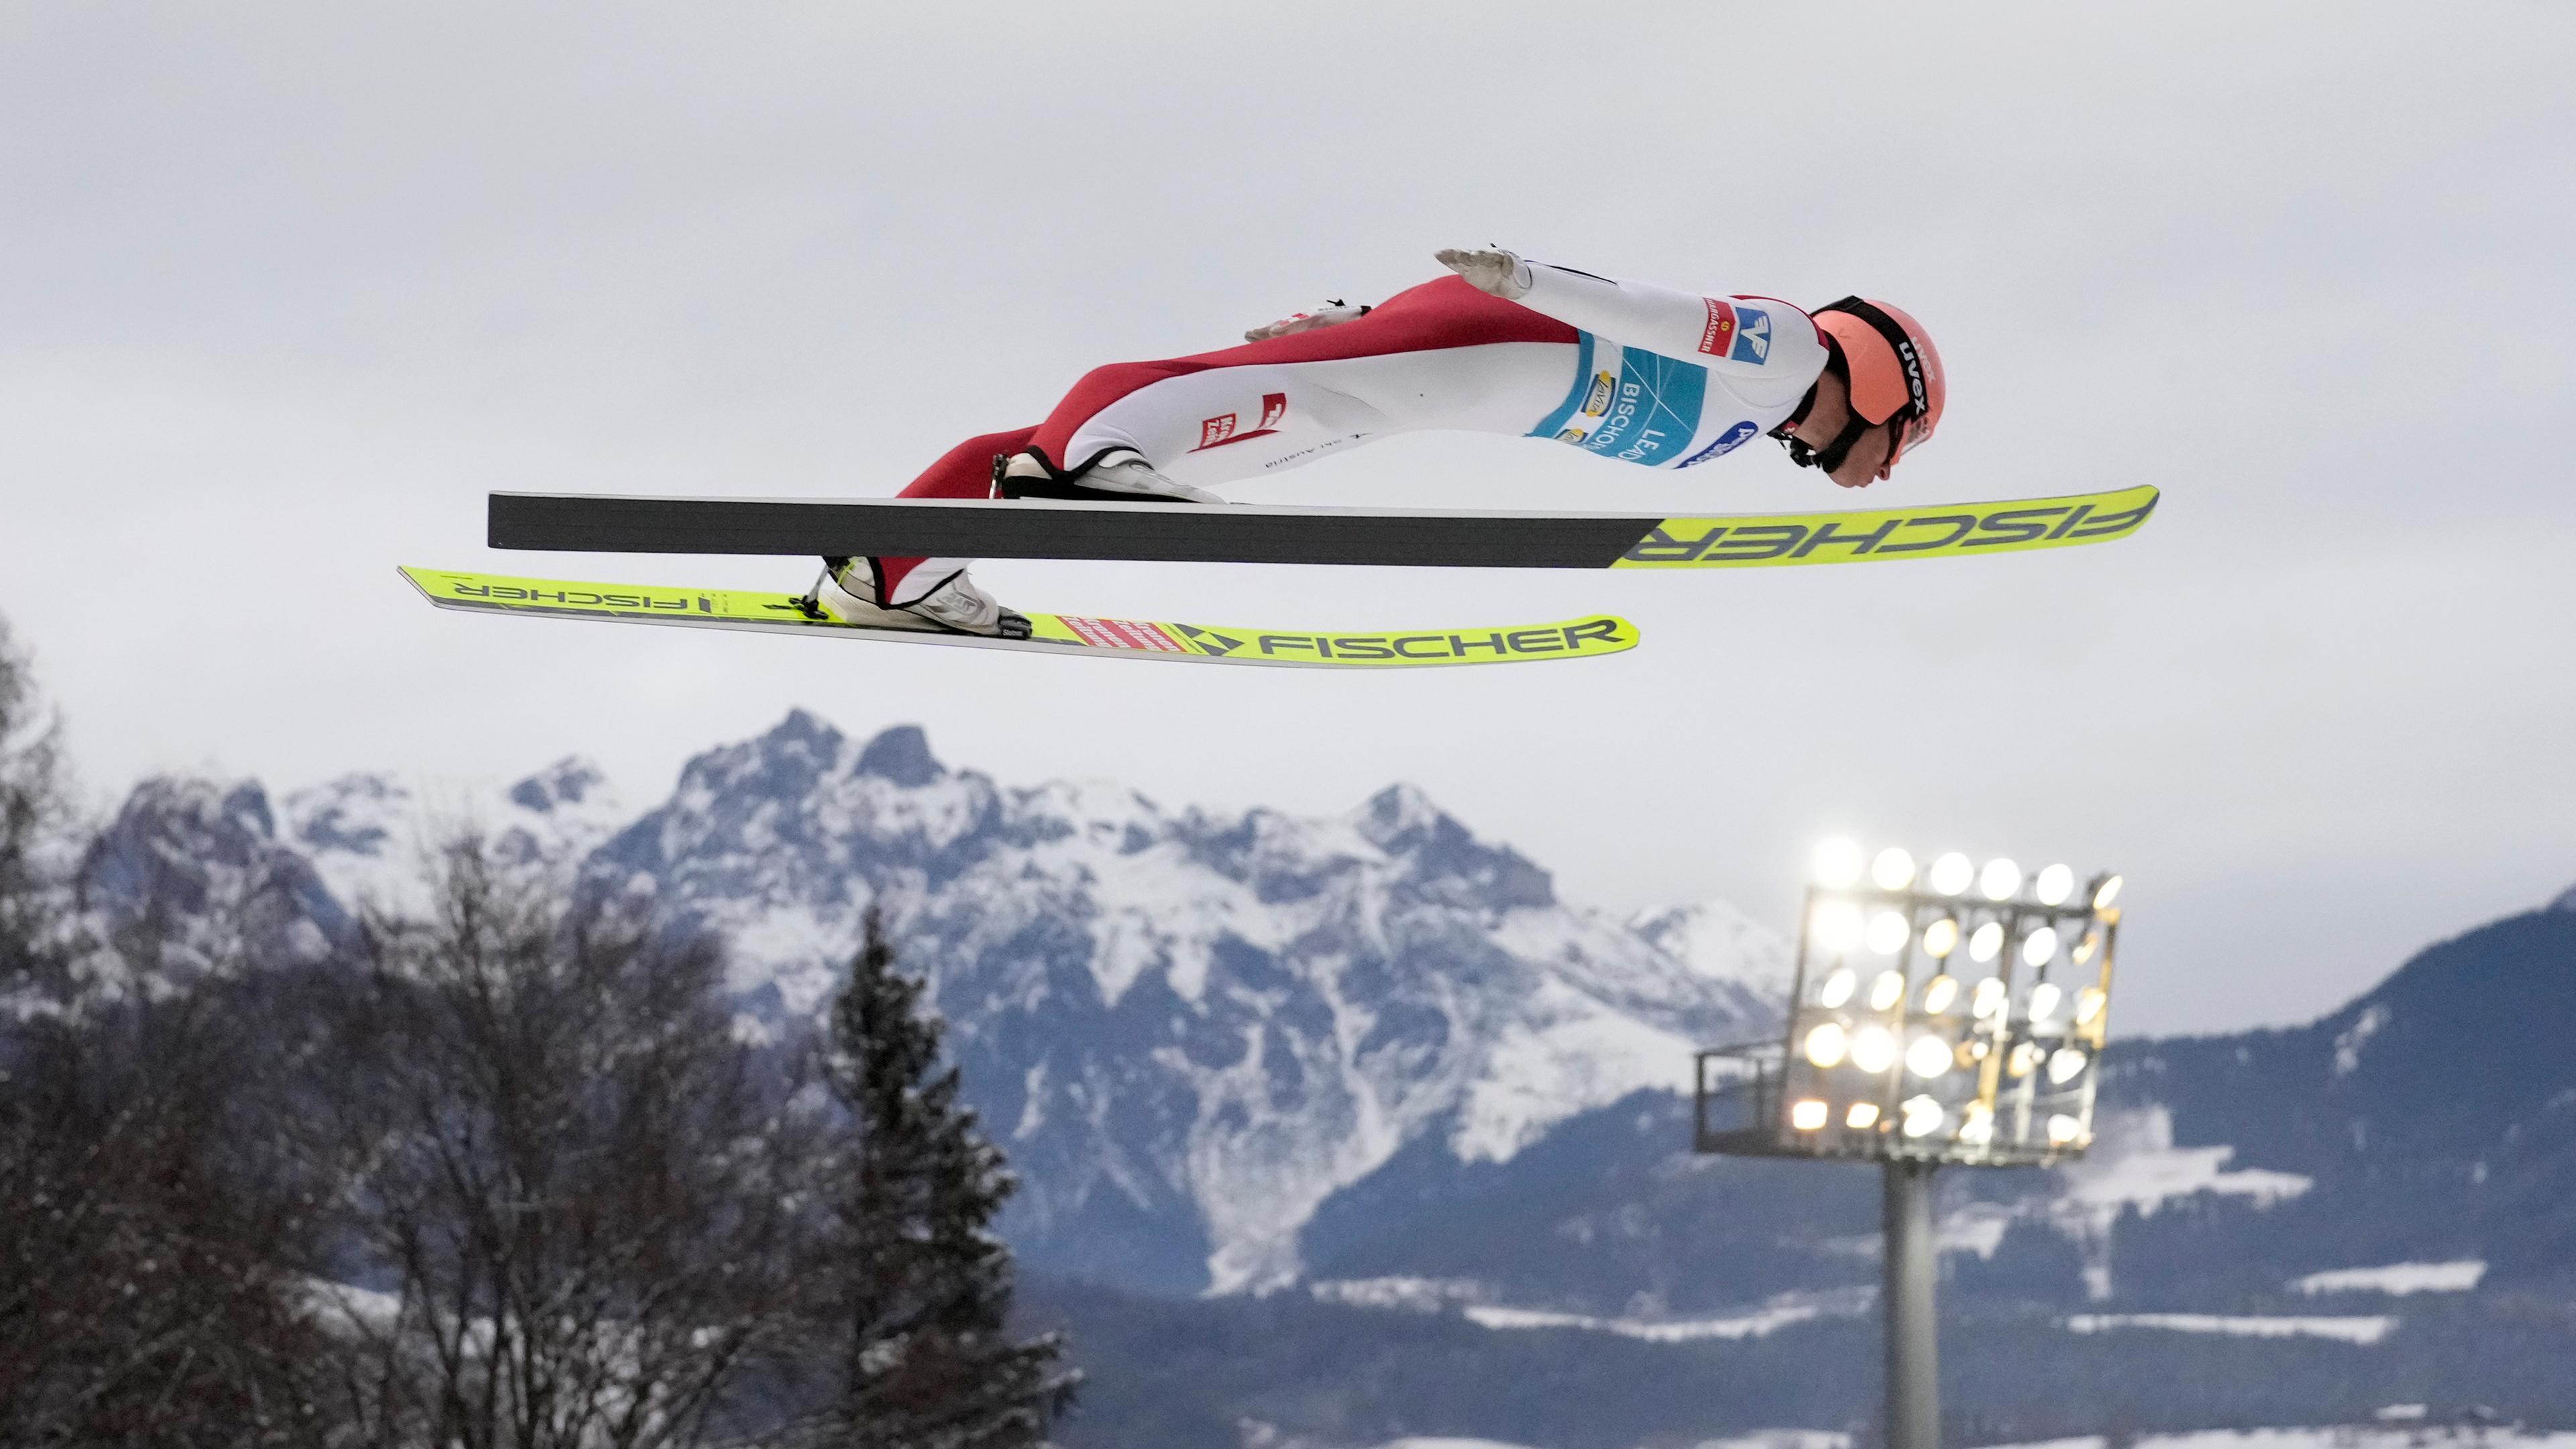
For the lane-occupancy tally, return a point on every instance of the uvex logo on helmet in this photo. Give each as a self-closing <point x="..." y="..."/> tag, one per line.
<point x="1890" y="365"/>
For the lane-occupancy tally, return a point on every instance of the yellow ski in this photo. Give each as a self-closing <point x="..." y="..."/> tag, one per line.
<point x="1073" y="634"/>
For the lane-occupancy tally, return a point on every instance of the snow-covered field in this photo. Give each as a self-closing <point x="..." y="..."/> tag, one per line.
<point x="2357" y="1329"/>
<point x="2397" y="1279"/>
<point x="2331" y="1437"/>
<point x="1432" y="1295"/>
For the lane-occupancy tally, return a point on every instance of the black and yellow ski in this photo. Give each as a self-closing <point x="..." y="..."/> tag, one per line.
<point x="1071" y="634"/>
<point x="1251" y="533"/>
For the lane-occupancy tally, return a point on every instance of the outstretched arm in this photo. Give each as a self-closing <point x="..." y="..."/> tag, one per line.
<point x="1750" y="338"/>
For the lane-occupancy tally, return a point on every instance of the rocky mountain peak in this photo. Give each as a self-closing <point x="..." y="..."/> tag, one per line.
<point x="568" y="781"/>
<point x="1399" y="816"/>
<point x="354" y="813"/>
<point x="902" y="756"/>
<point x="198" y="865"/>
<point x="1444" y="860"/>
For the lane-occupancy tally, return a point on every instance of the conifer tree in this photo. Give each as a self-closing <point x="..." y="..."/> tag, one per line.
<point x="922" y="1287"/>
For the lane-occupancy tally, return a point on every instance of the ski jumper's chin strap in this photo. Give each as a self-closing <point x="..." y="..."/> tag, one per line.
<point x="1855" y="427"/>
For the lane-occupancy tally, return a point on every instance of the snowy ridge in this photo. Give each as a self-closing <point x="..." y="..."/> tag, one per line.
<point x="366" y="834"/>
<point x="1717" y="941"/>
<point x="1179" y="1017"/>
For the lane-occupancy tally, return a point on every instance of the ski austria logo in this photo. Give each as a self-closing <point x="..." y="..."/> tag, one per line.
<point x="1752" y="335"/>
<point x="1216" y="432"/>
<point x="1719" y="334"/>
<point x="1727" y="442"/>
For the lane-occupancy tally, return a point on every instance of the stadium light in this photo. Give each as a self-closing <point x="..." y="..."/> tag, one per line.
<point x="1897" y="1051"/>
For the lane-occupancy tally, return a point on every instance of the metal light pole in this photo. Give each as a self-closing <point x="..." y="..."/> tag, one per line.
<point x="1911" y="1265"/>
<point x="1891" y="1057"/>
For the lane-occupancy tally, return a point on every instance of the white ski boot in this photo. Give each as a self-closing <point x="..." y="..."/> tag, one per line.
<point x="847" y="592"/>
<point x="1120" y="475"/>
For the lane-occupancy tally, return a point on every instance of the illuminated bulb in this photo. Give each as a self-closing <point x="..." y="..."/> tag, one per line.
<point x="1836" y="925"/>
<point x="2065" y="1065"/>
<point x="1893" y="870"/>
<point x="2024" y="1058"/>
<point x="1941" y="938"/>
<point x="1951" y="874"/>
<point x="1837" y="863"/>
<point x="1981" y="1049"/>
<point x="1888" y="932"/>
<point x="1873" y="1049"/>
<point x="1923" y="1116"/>
<point x="1988" y="941"/>
<point x="2063" y="1130"/>
<point x="1929" y="1057"/>
<point x="1862" y="1116"/>
<point x="2043" y="1001"/>
<point x="2085" y="948"/>
<point x="1977" y="1124"/>
<point x="1826" y="1044"/>
<point x="2107" y="893"/>
<point x="2000" y="879"/>
<point x="1887" y="990"/>
<point x="1808" y="1115"/>
<point x="1989" y="997"/>
<point x="1838" y="988"/>
<point x="2040" y="947"/>
<point x="2054" y="885"/>
<point x="2089" y="1003"/>
<point x="1940" y="994"/>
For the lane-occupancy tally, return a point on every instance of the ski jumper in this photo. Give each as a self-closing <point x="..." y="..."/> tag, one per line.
<point x="1626" y="370"/>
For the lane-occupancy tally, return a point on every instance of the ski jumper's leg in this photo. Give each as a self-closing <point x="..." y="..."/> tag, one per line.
<point x="1440" y="355"/>
<point x="964" y="471"/>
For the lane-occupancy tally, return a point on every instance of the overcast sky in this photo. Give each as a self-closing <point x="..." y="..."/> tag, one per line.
<point x="285" y="289"/>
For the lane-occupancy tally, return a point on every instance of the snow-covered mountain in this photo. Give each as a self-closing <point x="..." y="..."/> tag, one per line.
<point x="1380" y="1054"/>
<point x="1191" y="1028"/>
<point x="190" y="871"/>
<point x="365" y="833"/>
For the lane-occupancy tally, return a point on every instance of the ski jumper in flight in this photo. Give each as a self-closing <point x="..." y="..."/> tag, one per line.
<point x="1627" y="371"/>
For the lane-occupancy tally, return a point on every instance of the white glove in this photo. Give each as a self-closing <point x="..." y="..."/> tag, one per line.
<point x="1330" y="314"/>
<point x="1501" y="273"/>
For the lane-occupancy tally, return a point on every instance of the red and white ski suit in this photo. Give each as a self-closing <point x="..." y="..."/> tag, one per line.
<point x="1627" y="370"/>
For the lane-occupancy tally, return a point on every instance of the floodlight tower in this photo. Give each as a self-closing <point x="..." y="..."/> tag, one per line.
<point x="1951" y="1016"/>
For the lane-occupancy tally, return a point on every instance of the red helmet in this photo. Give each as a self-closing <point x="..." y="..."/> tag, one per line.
<point x="1891" y="365"/>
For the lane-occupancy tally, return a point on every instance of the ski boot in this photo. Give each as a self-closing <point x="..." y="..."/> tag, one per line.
<point x="1115" y="475"/>
<point x="847" y="594"/>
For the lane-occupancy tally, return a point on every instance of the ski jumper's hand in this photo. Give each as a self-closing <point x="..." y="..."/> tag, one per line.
<point x="1500" y="273"/>
<point x="1330" y="314"/>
